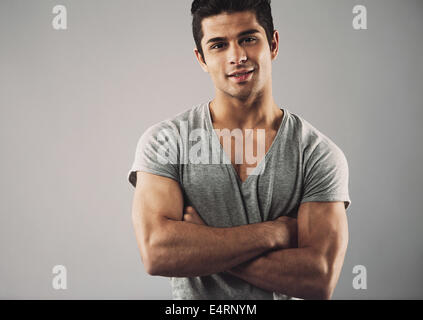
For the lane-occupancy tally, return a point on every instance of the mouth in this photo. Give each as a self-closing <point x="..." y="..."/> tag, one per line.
<point x="242" y="76"/>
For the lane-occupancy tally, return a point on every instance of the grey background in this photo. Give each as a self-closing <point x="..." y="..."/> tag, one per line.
<point x="74" y="103"/>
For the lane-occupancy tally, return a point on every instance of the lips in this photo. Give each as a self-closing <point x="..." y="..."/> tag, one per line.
<point x="240" y="73"/>
<point x="242" y="77"/>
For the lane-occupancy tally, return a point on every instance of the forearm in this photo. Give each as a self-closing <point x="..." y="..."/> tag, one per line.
<point x="182" y="249"/>
<point x="297" y="272"/>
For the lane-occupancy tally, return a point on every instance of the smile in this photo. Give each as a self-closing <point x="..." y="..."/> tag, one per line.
<point x="241" y="77"/>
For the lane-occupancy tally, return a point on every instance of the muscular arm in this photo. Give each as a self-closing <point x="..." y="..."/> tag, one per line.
<point x="310" y="271"/>
<point x="175" y="248"/>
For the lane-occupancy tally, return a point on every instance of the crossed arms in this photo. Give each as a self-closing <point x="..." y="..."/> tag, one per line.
<point x="298" y="257"/>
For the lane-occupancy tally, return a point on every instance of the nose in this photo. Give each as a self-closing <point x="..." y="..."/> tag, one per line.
<point x="237" y="54"/>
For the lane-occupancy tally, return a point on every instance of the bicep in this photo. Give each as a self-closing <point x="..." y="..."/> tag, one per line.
<point x="155" y="198"/>
<point x="158" y="195"/>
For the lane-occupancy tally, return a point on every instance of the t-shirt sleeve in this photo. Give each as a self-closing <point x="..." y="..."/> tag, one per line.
<point x="326" y="175"/>
<point x="156" y="153"/>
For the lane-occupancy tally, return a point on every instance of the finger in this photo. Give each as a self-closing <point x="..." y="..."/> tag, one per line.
<point x="191" y="209"/>
<point x="193" y="219"/>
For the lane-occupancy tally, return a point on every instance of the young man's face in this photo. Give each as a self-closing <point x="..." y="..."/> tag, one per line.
<point x="235" y="52"/>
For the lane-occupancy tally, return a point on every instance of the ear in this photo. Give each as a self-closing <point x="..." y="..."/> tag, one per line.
<point x="274" y="50"/>
<point x="200" y="60"/>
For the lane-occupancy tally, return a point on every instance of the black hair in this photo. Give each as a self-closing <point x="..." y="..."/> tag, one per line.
<point x="201" y="9"/>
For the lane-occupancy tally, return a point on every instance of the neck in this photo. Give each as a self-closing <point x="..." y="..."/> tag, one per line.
<point x="258" y="112"/>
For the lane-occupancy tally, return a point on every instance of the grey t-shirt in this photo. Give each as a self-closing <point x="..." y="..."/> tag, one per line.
<point x="301" y="165"/>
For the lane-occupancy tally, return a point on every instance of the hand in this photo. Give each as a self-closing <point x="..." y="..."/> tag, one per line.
<point x="286" y="234"/>
<point x="191" y="215"/>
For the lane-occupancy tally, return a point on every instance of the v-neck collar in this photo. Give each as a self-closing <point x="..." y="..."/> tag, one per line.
<point x="228" y="160"/>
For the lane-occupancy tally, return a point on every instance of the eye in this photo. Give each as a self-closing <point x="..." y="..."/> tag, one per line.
<point x="216" y="46"/>
<point x="249" y="39"/>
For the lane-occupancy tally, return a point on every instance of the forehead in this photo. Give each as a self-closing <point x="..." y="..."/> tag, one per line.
<point x="229" y="24"/>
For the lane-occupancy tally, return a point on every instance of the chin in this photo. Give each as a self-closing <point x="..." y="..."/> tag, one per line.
<point x="241" y="95"/>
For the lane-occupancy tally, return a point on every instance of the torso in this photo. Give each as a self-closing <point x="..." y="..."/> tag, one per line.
<point x="244" y="169"/>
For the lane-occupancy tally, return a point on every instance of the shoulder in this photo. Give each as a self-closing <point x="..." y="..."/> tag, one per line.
<point x="190" y="117"/>
<point x="313" y="142"/>
<point x="171" y="128"/>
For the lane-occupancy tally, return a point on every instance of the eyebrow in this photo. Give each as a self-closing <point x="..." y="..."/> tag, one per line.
<point x="243" y="33"/>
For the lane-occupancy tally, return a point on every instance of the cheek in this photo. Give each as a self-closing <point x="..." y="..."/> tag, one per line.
<point x="265" y="62"/>
<point x="214" y="68"/>
<point x="219" y="75"/>
<point x="215" y="74"/>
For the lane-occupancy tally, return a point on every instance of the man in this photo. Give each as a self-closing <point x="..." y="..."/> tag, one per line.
<point x="233" y="229"/>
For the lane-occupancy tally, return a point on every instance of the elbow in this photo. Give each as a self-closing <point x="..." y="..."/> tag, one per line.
<point x="322" y="286"/>
<point x="147" y="253"/>
<point x="154" y="260"/>
<point x="146" y="259"/>
<point x="152" y="269"/>
<point x="318" y="291"/>
<point x="326" y="283"/>
<point x="324" y="292"/>
<point x="150" y="265"/>
<point x="151" y="249"/>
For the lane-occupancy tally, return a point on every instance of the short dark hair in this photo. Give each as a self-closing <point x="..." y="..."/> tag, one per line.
<point x="201" y="9"/>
